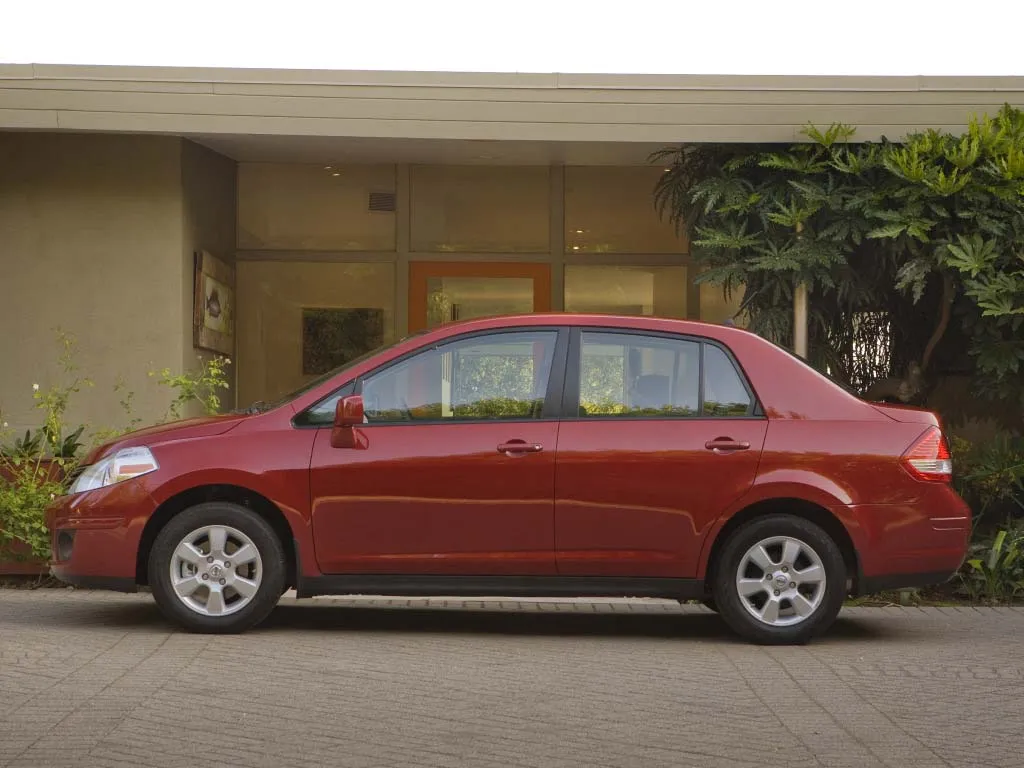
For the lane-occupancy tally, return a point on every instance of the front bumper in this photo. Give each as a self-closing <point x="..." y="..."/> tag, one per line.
<point x="96" y="535"/>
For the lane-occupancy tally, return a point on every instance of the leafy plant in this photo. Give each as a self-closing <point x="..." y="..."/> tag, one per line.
<point x="995" y="567"/>
<point x="893" y="241"/>
<point x="23" y="447"/>
<point x="53" y="401"/>
<point x="990" y="475"/>
<point x="26" y="488"/>
<point x="201" y="386"/>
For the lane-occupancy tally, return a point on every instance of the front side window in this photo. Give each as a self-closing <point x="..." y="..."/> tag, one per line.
<point x="497" y="376"/>
<point x="632" y="375"/>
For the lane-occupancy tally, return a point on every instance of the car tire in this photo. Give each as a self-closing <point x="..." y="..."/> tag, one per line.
<point x="710" y="604"/>
<point x="194" y="582"/>
<point x="779" y="580"/>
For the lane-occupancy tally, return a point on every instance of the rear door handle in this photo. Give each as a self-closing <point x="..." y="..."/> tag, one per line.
<point x="519" y="446"/>
<point x="726" y="445"/>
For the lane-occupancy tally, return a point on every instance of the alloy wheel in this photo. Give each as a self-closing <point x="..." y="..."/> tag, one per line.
<point x="781" y="581"/>
<point x="216" y="570"/>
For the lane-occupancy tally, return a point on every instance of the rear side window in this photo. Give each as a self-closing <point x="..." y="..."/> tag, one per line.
<point x="633" y="375"/>
<point x="725" y="394"/>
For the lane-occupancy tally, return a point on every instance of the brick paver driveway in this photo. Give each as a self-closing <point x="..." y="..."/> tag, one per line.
<point x="94" y="679"/>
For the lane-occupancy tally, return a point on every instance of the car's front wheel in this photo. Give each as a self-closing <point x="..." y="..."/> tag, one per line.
<point x="217" y="567"/>
<point x="780" y="579"/>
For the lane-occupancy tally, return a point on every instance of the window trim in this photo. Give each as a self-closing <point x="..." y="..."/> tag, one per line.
<point x="553" y="395"/>
<point x="571" y="390"/>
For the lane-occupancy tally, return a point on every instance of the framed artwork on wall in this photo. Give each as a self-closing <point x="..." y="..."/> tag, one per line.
<point x="213" y="325"/>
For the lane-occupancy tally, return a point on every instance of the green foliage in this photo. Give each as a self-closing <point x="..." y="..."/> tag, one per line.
<point x="27" y="486"/>
<point x="25" y="447"/>
<point x="990" y="475"/>
<point x="201" y="386"/>
<point x="994" y="570"/>
<point x="913" y="233"/>
<point x="53" y="401"/>
<point x="33" y="467"/>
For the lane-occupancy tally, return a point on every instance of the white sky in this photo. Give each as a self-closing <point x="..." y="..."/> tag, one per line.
<point x="864" y="37"/>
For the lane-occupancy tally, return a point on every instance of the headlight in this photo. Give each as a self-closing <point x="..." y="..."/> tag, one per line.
<point x="123" y="465"/>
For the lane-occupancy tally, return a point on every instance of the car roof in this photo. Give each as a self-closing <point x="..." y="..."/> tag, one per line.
<point x="584" y="319"/>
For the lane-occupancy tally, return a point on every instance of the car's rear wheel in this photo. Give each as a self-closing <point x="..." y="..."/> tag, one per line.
<point x="217" y="567"/>
<point x="780" y="579"/>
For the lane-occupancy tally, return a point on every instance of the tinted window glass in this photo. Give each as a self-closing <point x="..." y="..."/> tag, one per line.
<point x="499" y="376"/>
<point x="322" y="414"/>
<point x="630" y="375"/>
<point x="724" y="392"/>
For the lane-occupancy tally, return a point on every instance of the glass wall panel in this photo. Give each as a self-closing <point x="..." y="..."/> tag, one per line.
<point x="626" y="290"/>
<point x="463" y="298"/>
<point x="483" y="209"/>
<point x="316" y="207"/>
<point x="297" y="320"/>
<point x="611" y="210"/>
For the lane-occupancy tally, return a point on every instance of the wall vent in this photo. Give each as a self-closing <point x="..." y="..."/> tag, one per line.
<point x="382" y="202"/>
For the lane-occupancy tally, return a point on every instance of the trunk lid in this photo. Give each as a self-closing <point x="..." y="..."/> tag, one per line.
<point x="907" y="414"/>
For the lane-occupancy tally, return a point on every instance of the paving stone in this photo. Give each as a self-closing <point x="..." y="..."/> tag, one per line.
<point x="94" y="679"/>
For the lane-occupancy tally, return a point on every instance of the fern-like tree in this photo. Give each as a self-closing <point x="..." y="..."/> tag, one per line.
<point x="917" y="247"/>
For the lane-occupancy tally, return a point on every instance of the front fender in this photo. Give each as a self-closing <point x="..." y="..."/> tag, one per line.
<point x="290" y="497"/>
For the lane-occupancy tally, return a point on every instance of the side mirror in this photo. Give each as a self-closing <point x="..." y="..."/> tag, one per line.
<point x="349" y="412"/>
<point x="347" y="415"/>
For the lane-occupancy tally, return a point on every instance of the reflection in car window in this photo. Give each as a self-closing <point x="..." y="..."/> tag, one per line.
<point x="322" y="414"/>
<point x="632" y="375"/>
<point x="724" y="393"/>
<point x="497" y="376"/>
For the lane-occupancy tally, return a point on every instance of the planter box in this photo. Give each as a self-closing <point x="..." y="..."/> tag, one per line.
<point x="30" y="566"/>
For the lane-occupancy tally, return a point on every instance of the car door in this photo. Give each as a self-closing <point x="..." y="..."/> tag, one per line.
<point x="662" y="433"/>
<point x="453" y="471"/>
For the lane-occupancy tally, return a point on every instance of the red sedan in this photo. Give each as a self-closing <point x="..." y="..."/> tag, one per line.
<point x="555" y="455"/>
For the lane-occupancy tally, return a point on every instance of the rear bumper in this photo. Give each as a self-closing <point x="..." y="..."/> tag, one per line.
<point x="902" y="546"/>
<point x="95" y="535"/>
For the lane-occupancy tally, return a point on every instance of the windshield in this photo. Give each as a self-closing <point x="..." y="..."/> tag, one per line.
<point x="260" y="406"/>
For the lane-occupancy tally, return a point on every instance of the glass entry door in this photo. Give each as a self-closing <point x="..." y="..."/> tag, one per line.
<point x="443" y="292"/>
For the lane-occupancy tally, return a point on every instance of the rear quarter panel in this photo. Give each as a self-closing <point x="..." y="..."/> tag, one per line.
<point x="827" y="447"/>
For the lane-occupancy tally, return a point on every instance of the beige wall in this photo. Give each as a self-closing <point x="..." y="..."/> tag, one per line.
<point x="208" y="184"/>
<point x="93" y="237"/>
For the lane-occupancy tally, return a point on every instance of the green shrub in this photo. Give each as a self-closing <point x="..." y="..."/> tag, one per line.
<point x="994" y="570"/>
<point x="990" y="476"/>
<point x="27" y="486"/>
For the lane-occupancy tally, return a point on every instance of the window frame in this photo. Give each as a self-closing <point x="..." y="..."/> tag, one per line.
<point x="553" y="395"/>
<point x="571" y="387"/>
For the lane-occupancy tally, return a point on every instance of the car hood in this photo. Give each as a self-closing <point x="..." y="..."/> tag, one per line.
<point x="188" y="429"/>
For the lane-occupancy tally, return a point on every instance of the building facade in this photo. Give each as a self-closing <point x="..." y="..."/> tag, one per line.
<point x="349" y="209"/>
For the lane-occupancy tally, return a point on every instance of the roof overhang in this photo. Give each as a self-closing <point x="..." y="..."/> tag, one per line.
<point x="371" y="116"/>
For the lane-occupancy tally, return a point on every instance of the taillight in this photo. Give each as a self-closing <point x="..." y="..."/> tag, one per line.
<point x="929" y="459"/>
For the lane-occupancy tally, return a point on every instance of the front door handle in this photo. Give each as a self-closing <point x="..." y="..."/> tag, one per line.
<point x="726" y="445"/>
<point x="513" y="447"/>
